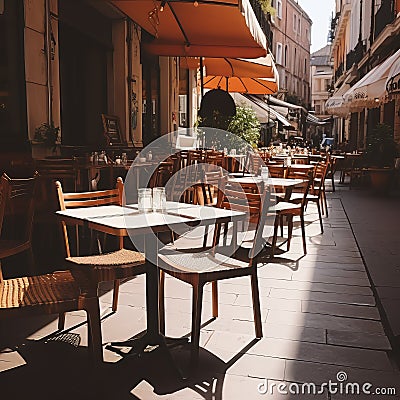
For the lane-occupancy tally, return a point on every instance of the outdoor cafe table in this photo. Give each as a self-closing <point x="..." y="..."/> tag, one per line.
<point x="123" y="221"/>
<point x="284" y="183"/>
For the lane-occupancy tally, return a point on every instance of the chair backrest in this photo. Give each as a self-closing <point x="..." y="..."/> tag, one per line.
<point x="241" y="197"/>
<point x="17" y="198"/>
<point x="215" y="158"/>
<point x="210" y="181"/>
<point x="51" y="170"/>
<point x="255" y="205"/>
<point x="303" y="187"/>
<point x="319" y="178"/>
<point x="87" y="199"/>
<point x="276" y="171"/>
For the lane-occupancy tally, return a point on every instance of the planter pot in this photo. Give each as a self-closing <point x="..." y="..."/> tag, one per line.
<point x="381" y="179"/>
<point x="41" y="150"/>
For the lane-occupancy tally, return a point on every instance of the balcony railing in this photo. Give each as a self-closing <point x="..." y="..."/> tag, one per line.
<point x="339" y="71"/>
<point x="384" y="16"/>
<point x="263" y="20"/>
<point x="332" y="30"/>
<point x="355" y="55"/>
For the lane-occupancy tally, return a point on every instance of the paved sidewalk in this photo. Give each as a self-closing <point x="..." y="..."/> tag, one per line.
<point x="320" y="318"/>
<point x="375" y="222"/>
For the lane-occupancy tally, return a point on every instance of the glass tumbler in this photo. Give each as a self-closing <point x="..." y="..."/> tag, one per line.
<point x="264" y="174"/>
<point x="159" y="199"/>
<point x="145" y="200"/>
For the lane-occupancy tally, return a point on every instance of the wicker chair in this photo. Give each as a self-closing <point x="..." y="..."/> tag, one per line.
<point x="111" y="266"/>
<point x="44" y="294"/>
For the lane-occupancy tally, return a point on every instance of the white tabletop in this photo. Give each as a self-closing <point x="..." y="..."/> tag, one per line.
<point x="129" y="218"/>
<point x="286" y="182"/>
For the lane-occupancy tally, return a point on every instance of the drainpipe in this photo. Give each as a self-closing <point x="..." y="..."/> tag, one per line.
<point x="361" y="21"/>
<point x="371" y="32"/>
<point x="48" y="62"/>
<point x="130" y="77"/>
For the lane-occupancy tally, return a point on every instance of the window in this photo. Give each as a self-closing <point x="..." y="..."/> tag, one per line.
<point x="305" y="66"/>
<point x="183" y="119"/>
<point x="286" y="56"/>
<point x="299" y="26"/>
<point x="279" y="9"/>
<point x="295" y="22"/>
<point x="278" y="54"/>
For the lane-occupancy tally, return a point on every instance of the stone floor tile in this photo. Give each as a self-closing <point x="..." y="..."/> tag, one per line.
<point x="314" y="286"/>
<point x="258" y="366"/>
<point x="351" y="339"/>
<point x="323" y="296"/>
<point x="322" y="353"/>
<point x="292" y="332"/>
<point x="325" y="321"/>
<point x="344" y="310"/>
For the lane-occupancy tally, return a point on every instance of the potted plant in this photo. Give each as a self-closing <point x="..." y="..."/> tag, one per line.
<point x="47" y="135"/>
<point x="245" y="125"/>
<point x="379" y="156"/>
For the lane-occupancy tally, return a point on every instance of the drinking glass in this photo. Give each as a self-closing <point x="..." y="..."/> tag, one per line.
<point x="145" y="200"/>
<point x="159" y="199"/>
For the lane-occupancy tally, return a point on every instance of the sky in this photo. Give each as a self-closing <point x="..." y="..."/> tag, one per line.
<point x="320" y="12"/>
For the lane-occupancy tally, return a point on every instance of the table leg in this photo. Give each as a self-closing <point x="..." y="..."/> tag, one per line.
<point x="152" y="338"/>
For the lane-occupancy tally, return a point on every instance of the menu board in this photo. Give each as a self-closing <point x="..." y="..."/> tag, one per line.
<point x="112" y="129"/>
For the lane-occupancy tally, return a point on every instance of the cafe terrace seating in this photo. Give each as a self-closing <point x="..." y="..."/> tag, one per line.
<point x="112" y="266"/>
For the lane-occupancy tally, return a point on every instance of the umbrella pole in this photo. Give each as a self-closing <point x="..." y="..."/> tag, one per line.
<point x="201" y="77"/>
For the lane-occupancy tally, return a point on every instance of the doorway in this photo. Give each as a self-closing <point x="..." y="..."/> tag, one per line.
<point x="85" y="47"/>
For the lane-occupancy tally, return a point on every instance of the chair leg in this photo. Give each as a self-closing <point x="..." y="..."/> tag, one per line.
<point x="94" y="329"/>
<point x="325" y="203"/>
<point x="320" y="216"/>
<point x="61" y="321"/>
<point x="205" y="237"/>
<point x="274" y="239"/>
<point x="281" y="224"/>
<point x="256" y="305"/>
<point x="115" y="295"/>
<point x="214" y="291"/>
<point x="196" y="322"/>
<point x="161" y="302"/>
<point x="333" y="182"/>
<point x="303" y="233"/>
<point x="290" y="229"/>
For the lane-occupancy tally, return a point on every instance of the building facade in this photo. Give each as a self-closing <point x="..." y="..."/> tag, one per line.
<point x="67" y="62"/>
<point x="364" y="34"/>
<point x="321" y="80"/>
<point x="291" y="32"/>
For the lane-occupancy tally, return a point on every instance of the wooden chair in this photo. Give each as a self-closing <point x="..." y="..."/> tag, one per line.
<point x="197" y="269"/>
<point x="43" y="294"/>
<point x="316" y="191"/>
<point x="111" y="266"/>
<point x="289" y="209"/>
<point x="17" y="206"/>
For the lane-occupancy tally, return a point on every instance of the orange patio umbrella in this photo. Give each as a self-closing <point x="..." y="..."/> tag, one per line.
<point x="203" y="28"/>
<point x="257" y="76"/>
